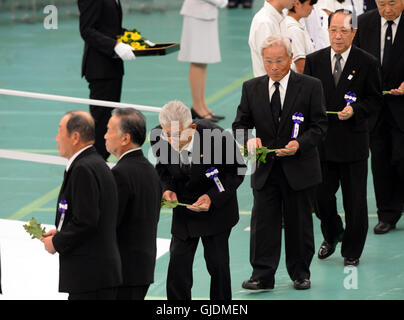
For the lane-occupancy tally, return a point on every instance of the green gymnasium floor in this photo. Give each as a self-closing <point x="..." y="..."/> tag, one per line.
<point x="48" y="61"/>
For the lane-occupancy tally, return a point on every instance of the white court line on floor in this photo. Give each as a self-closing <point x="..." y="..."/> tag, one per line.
<point x="28" y="272"/>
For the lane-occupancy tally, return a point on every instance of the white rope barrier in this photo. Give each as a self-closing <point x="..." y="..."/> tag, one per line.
<point x="53" y="97"/>
<point x="36" y="157"/>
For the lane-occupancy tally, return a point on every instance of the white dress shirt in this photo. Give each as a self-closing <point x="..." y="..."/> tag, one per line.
<point x="70" y="161"/>
<point x="283" y="85"/>
<point x="266" y="22"/>
<point x="343" y="60"/>
<point x="383" y="30"/>
<point x="302" y="45"/>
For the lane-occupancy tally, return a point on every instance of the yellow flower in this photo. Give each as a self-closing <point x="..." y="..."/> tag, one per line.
<point x="136" y="36"/>
<point x="135" y="45"/>
<point x="124" y="39"/>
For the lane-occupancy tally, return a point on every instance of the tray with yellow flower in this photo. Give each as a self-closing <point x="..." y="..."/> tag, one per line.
<point x="144" y="47"/>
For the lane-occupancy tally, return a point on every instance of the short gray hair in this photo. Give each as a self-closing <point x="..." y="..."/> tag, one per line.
<point x="175" y="111"/>
<point x="132" y="122"/>
<point x="275" y="41"/>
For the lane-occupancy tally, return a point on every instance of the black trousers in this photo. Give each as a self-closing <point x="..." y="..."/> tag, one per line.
<point x="100" y="294"/>
<point x="109" y="90"/>
<point x="387" y="159"/>
<point x="132" y="292"/>
<point x="352" y="177"/>
<point x="216" y="253"/>
<point x="274" y="201"/>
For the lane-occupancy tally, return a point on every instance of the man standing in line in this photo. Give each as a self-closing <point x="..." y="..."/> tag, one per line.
<point x="87" y="209"/>
<point x="352" y="87"/>
<point x="287" y="111"/>
<point x="381" y="33"/>
<point x="100" y="24"/>
<point x="268" y="21"/>
<point x="139" y="194"/>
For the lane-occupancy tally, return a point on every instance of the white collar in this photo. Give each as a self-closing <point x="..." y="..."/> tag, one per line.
<point x="273" y="12"/>
<point x="283" y="82"/>
<point x="344" y="55"/>
<point x="131" y="150"/>
<point x="70" y="161"/>
<point x="396" y="20"/>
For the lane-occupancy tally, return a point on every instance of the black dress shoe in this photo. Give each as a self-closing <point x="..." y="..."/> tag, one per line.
<point x="256" y="285"/>
<point x="351" y="262"/>
<point x="247" y="5"/>
<point x="196" y="115"/>
<point x="303" y="284"/>
<point x="326" y="249"/>
<point x="383" y="227"/>
<point x="232" y="4"/>
<point x="216" y="116"/>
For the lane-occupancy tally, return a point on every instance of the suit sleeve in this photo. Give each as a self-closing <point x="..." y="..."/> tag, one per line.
<point x="84" y="209"/>
<point x="307" y="67"/>
<point x="244" y="122"/>
<point x="372" y="100"/>
<point x="231" y="174"/>
<point x="160" y="150"/>
<point x="90" y="11"/>
<point x="317" y="119"/>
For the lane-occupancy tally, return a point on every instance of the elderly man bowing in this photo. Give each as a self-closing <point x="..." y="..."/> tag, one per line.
<point x="199" y="164"/>
<point x="287" y="111"/>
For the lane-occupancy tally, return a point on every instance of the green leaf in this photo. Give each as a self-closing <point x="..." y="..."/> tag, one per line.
<point x="34" y="228"/>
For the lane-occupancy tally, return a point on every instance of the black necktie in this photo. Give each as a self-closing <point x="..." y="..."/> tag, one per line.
<point x="388" y="43"/>
<point x="337" y="68"/>
<point x="185" y="164"/>
<point x="276" y="104"/>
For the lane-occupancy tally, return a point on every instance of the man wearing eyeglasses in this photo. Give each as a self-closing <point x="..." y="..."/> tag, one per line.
<point x="352" y="87"/>
<point x="199" y="165"/>
<point x="381" y="33"/>
<point x="287" y="111"/>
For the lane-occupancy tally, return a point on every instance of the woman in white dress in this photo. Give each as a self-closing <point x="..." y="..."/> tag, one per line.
<point x="302" y="44"/>
<point x="200" y="46"/>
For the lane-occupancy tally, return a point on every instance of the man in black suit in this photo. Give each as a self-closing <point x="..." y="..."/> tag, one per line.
<point x="139" y="194"/>
<point x="100" y="24"/>
<point x="287" y="111"/>
<point x="200" y="165"/>
<point x="381" y="33"/>
<point x="352" y="86"/>
<point x="85" y="238"/>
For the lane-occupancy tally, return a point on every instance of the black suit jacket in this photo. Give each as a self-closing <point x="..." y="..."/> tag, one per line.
<point x="87" y="244"/>
<point x="304" y="95"/>
<point x="139" y="193"/>
<point x="348" y="140"/>
<point x="368" y="38"/>
<point x="100" y="23"/>
<point x="223" y="213"/>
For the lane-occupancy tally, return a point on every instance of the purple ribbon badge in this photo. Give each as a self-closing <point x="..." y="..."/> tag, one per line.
<point x="213" y="174"/>
<point x="63" y="206"/>
<point x="297" y="119"/>
<point x="350" y="97"/>
<point x="62" y="210"/>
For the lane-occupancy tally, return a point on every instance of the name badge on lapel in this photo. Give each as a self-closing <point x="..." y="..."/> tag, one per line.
<point x="213" y="173"/>
<point x="297" y="118"/>
<point x="62" y="209"/>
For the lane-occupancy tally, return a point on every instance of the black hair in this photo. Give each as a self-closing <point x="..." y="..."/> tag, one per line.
<point x="312" y="3"/>
<point x="133" y="123"/>
<point x="82" y="124"/>
<point x="347" y="12"/>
